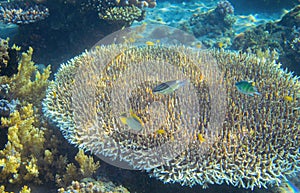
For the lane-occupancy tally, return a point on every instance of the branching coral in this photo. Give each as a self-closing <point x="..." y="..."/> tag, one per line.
<point x="23" y="139"/>
<point x="87" y="167"/>
<point x="256" y="144"/>
<point x="28" y="84"/>
<point x="31" y="153"/>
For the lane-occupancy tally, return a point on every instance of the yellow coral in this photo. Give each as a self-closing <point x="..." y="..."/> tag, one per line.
<point x="25" y="189"/>
<point x="21" y="84"/>
<point x="87" y="164"/>
<point x="23" y="139"/>
<point x="87" y="167"/>
<point x="48" y="156"/>
<point x="32" y="169"/>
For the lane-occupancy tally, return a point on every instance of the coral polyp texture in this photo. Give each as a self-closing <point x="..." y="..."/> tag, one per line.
<point x="256" y="143"/>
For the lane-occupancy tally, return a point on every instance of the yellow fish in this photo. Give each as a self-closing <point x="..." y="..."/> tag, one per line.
<point x="133" y="121"/>
<point x="160" y="131"/>
<point x="198" y="45"/>
<point x="54" y="95"/>
<point x="149" y="43"/>
<point x="201" y="138"/>
<point x="220" y="45"/>
<point x="288" y="98"/>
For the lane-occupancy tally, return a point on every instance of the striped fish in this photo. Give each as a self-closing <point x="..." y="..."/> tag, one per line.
<point x="168" y="87"/>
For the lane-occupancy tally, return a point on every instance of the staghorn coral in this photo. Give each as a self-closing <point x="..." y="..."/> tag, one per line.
<point x="256" y="146"/>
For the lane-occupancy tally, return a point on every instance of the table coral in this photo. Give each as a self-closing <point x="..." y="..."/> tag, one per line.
<point x="256" y="146"/>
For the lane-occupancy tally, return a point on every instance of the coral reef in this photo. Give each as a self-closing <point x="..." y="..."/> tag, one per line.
<point x="19" y="12"/>
<point x="215" y="24"/>
<point x="281" y="36"/>
<point x="62" y="31"/>
<point x="91" y="185"/>
<point x="256" y="144"/>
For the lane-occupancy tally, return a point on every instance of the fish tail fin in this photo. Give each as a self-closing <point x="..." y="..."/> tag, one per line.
<point x="257" y="93"/>
<point x="185" y="81"/>
<point x="123" y="120"/>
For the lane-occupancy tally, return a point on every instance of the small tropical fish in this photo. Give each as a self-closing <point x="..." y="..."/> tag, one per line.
<point x="220" y="45"/>
<point x="133" y="121"/>
<point x="168" y="87"/>
<point x="54" y="95"/>
<point x="247" y="88"/>
<point x="161" y="131"/>
<point x="149" y="43"/>
<point x="201" y="138"/>
<point x="198" y="45"/>
<point x="288" y="98"/>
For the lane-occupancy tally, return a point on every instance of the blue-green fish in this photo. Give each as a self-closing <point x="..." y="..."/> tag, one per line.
<point x="168" y="87"/>
<point x="133" y="121"/>
<point x="247" y="88"/>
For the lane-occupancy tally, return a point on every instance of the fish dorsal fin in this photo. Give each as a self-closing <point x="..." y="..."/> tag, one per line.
<point x="123" y="118"/>
<point x="134" y="116"/>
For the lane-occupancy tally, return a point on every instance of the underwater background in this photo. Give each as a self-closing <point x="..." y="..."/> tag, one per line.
<point x="55" y="52"/>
